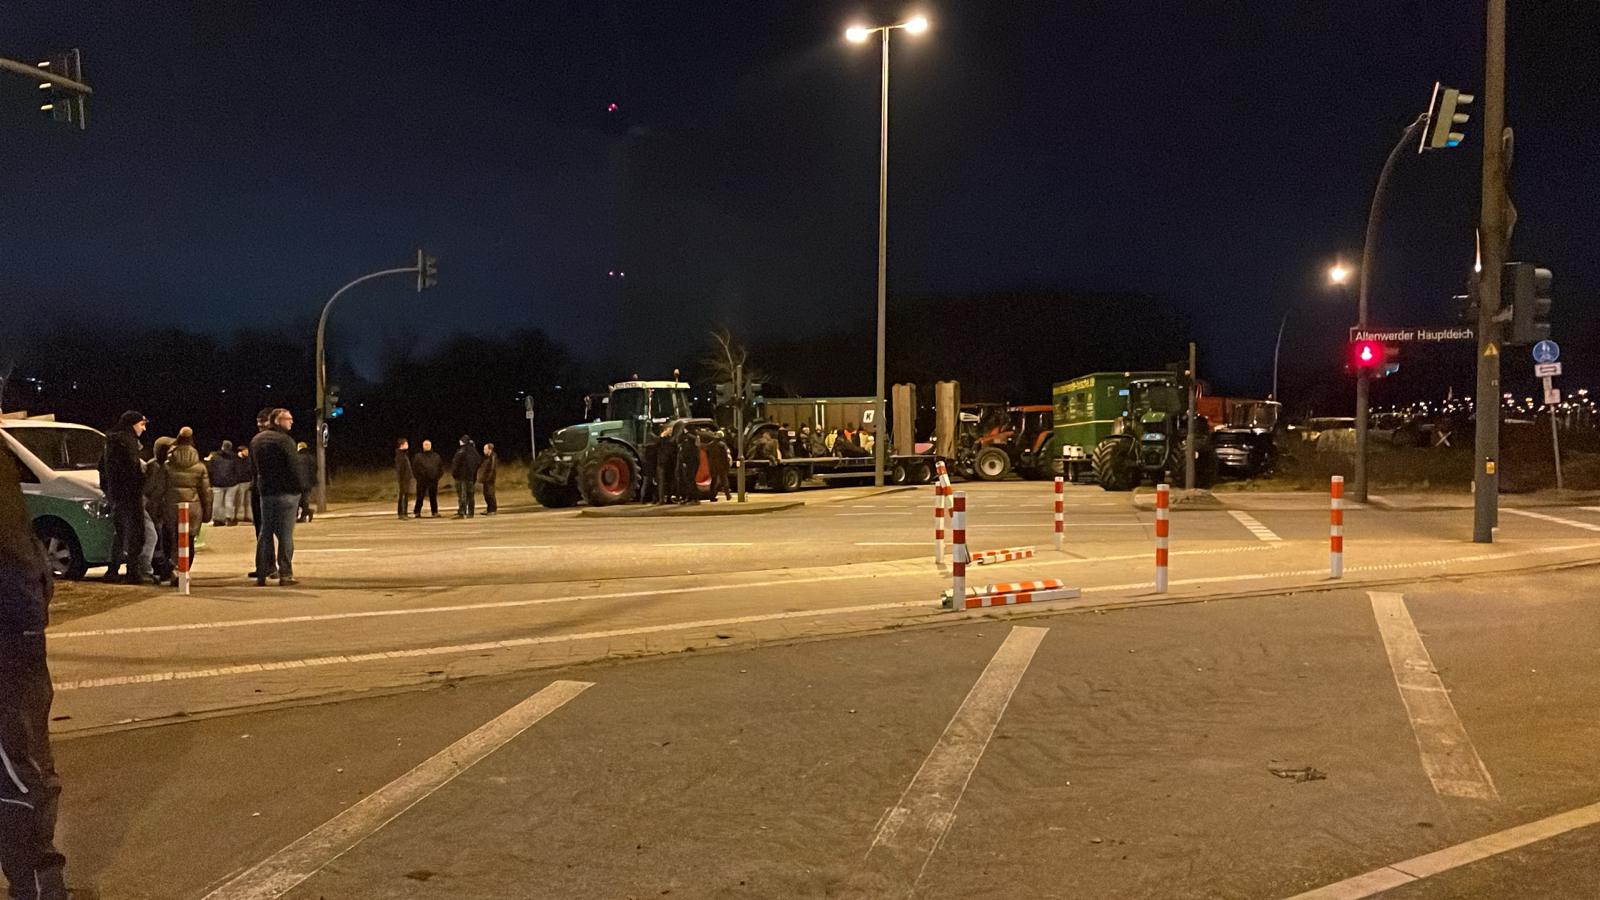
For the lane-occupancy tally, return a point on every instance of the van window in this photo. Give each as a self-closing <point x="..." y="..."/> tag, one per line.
<point x="62" y="449"/>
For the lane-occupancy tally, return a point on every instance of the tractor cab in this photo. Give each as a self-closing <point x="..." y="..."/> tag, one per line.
<point x="643" y="407"/>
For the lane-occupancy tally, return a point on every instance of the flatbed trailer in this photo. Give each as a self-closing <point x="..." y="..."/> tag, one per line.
<point x="790" y="473"/>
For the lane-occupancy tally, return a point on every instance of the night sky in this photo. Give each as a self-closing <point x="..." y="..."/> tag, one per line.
<point x="245" y="159"/>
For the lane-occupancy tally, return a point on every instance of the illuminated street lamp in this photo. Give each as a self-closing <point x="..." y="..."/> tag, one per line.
<point x="1339" y="276"/>
<point x="858" y="34"/>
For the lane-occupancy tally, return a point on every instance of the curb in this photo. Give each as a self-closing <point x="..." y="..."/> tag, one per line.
<point x="704" y="509"/>
<point x="1182" y="501"/>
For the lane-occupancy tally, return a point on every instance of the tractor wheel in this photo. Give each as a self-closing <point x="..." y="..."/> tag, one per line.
<point x="921" y="472"/>
<point x="991" y="464"/>
<point x="610" y="475"/>
<point x="550" y="494"/>
<point x="899" y="473"/>
<point x="1114" y="465"/>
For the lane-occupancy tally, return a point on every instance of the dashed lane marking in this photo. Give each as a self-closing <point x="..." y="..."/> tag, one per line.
<point x="1428" y="865"/>
<point x="299" y="550"/>
<point x="280" y="873"/>
<point x="708" y="544"/>
<point x="517" y="547"/>
<point x="1570" y="523"/>
<point x="1255" y="527"/>
<point x="910" y="832"/>
<point x="1452" y="763"/>
<point x="890" y="543"/>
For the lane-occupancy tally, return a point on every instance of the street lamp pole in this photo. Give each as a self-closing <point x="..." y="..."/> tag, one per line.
<point x="322" y="381"/>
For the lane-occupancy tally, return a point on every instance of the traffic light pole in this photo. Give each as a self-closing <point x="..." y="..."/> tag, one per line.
<point x="322" y="382"/>
<point x="1358" y="487"/>
<point x="1492" y="229"/>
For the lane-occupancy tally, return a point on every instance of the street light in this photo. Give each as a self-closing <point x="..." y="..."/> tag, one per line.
<point x="858" y="34"/>
<point x="1339" y="276"/>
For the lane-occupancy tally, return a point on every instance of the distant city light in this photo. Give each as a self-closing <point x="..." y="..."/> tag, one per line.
<point x="611" y="107"/>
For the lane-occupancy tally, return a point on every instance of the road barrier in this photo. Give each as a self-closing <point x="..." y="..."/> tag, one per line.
<point x="1018" y="593"/>
<point x="1009" y="554"/>
<point x="183" y="548"/>
<point x="941" y="504"/>
<point x="1061" y="509"/>
<point x="1336" y="527"/>
<point x="959" y="557"/>
<point x="1163" y="507"/>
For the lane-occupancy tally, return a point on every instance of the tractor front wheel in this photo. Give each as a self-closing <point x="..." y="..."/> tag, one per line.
<point x="551" y="494"/>
<point x="609" y="476"/>
<point x="1115" y="467"/>
<point x="992" y="464"/>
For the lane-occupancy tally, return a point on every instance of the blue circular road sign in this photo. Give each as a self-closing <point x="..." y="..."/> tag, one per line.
<point x="1546" y="352"/>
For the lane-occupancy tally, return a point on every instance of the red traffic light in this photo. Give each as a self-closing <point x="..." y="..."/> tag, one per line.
<point x="1373" y="358"/>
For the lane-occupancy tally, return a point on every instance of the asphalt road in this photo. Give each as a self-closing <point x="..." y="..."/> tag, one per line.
<point x="1114" y="752"/>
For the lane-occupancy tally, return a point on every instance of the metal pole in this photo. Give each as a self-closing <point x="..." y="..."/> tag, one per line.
<point x="1190" y="446"/>
<point x="1275" y="348"/>
<point x="738" y="426"/>
<point x="533" y="438"/>
<point x="1358" y="488"/>
<point x="879" y="447"/>
<point x="322" y="383"/>
<point x="1492" y="232"/>
<point x="1555" y="444"/>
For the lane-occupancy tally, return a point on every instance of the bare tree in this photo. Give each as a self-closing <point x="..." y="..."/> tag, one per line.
<point x="724" y="355"/>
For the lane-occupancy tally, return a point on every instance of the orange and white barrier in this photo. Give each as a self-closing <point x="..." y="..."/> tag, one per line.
<point x="1163" y="508"/>
<point x="959" y="556"/>
<point x="1009" y="554"/>
<point x="1061" y="509"/>
<point x="183" y="548"/>
<point x="1336" y="528"/>
<point x="941" y="510"/>
<point x="1018" y="593"/>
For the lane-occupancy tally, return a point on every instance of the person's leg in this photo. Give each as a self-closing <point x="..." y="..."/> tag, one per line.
<point x="461" y="501"/>
<point x="266" y="549"/>
<point x="29" y="785"/>
<point x="491" y="507"/>
<point x="422" y="489"/>
<point x="284" y="527"/>
<point x="169" y="550"/>
<point x="433" y="498"/>
<point x="472" y="499"/>
<point x="149" y="550"/>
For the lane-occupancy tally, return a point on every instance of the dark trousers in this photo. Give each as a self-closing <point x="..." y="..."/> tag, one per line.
<point x="466" y="498"/>
<point x="277" y="525"/>
<point x="255" y="510"/>
<point x="127" y="520"/>
<point x="405" y="500"/>
<point x="430" y="491"/>
<point x="490" y="507"/>
<point x="30" y="790"/>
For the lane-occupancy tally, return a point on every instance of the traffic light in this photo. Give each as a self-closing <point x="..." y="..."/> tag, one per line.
<point x="1373" y="359"/>
<point x="724" y="392"/>
<point x="330" y="402"/>
<point x="1444" y="114"/>
<point x="1528" y="288"/>
<point x="427" y="271"/>
<point x="62" y="104"/>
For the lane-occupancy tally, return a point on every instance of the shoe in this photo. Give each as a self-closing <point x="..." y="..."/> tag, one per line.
<point x="458" y="516"/>
<point x="287" y="582"/>
<point x="111" y="575"/>
<point x="261" y="582"/>
<point x="135" y="579"/>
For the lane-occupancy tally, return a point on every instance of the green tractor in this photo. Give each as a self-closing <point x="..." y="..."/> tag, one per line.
<point x="601" y="462"/>
<point x="1148" y="438"/>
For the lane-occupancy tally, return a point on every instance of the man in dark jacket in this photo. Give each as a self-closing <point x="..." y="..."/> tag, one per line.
<point x="30" y="790"/>
<point x="666" y="467"/>
<point x="488" y="471"/>
<point x="688" y="466"/>
<point x="279" y="481"/>
<point x="720" y="461"/>
<point x="306" y="459"/>
<point x="427" y="467"/>
<point x="464" y="469"/>
<point x="122" y="479"/>
<point x="263" y="423"/>
<point x="222" y="467"/>
<point x="402" y="475"/>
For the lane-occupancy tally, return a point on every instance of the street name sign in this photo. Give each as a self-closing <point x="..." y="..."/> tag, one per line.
<point x="1425" y="334"/>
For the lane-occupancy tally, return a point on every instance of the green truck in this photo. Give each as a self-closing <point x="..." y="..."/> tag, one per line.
<point x="1128" y="426"/>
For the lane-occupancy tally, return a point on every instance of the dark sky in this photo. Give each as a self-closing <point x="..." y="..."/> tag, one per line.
<point x="245" y="159"/>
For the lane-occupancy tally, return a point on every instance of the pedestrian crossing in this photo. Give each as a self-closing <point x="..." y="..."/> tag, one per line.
<point x="1254" y="526"/>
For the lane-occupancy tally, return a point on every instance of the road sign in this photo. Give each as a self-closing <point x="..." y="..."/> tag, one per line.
<point x="1546" y="352"/>
<point x="1424" y="334"/>
<point x="1546" y="370"/>
<point x="1491" y="350"/>
<point x="1552" y="396"/>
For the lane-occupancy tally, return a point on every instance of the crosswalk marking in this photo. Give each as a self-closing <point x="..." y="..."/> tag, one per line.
<point x="1571" y="523"/>
<point x="1256" y="528"/>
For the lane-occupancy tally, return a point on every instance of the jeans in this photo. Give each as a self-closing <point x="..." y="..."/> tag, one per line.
<point x="277" y="524"/>
<point x="153" y="552"/>
<point x="466" y="498"/>
<point x="128" y="518"/>
<point x="489" y="505"/>
<point x="224" y="501"/>
<point x="30" y="790"/>
<point x="404" y="491"/>
<point x="430" y="490"/>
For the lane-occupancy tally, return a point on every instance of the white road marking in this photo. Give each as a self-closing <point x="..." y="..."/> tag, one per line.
<point x="1571" y="523"/>
<point x="517" y="547"/>
<point x="849" y="515"/>
<point x="299" y="550"/>
<point x="1454" y="857"/>
<point x="890" y="543"/>
<point x="708" y="544"/>
<point x="917" y="824"/>
<point x="280" y="873"/>
<point x="1448" y="756"/>
<point x="479" y="647"/>
<point x="1256" y="528"/>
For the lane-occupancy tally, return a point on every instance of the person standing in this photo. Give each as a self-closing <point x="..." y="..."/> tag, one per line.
<point x="666" y="467"/>
<point x="487" y="471"/>
<point x="427" y="467"/>
<point x="306" y="459"/>
<point x="688" y="466"/>
<point x="222" y="469"/>
<point x="263" y="423"/>
<point x="720" y="461"/>
<point x="279" y="481"/>
<point x="464" y="469"/>
<point x="30" y="790"/>
<point x="122" y="480"/>
<point x="402" y="475"/>
<point x="187" y="481"/>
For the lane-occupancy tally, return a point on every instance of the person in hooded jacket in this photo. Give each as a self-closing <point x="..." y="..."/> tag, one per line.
<point x="187" y="481"/>
<point x="122" y="481"/>
<point x="464" y="469"/>
<point x="30" y="790"/>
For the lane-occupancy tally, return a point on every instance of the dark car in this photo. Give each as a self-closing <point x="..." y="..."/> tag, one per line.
<point x="1245" y="452"/>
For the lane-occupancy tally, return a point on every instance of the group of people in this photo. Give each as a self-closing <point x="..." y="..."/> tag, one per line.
<point x="672" y="466"/>
<point x="789" y="443"/>
<point x="267" y="482"/>
<point x="421" y="473"/>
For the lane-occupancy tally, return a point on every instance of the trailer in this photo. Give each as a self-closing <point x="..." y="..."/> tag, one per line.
<point x="789" y="473"/>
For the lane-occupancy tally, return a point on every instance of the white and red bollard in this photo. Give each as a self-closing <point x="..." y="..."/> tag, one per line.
<point x="1163" y="508"/>
<point x="1336" y="528"/>
<point x="959" y="556"/>
<point x="1061" y="509"/>
<point x="941" y="505"/>
<point x="183" y="548"/>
